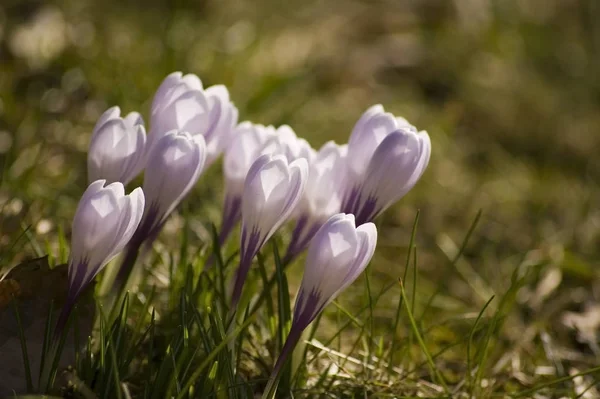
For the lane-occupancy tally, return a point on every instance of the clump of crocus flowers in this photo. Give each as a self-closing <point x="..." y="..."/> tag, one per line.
<point x="271" y="177"/>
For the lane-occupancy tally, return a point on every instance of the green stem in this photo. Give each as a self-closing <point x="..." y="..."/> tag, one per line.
<point x="290" y="343"/>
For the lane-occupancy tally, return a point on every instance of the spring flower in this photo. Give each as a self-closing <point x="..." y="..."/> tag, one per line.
<point x="219" y="134"/>
<point x="284" y="141"/>
<point x="247" y="145"/>
<point x="173" y="167"/>
<point x="116" y="151"/>
<point x="104" y="222"/>
<point x="181" y="103"/>
<point x="272" y="189"/>
<point x="337" y="255"/>
<point x="386" y="158"/>
<point x="322" y="196"/>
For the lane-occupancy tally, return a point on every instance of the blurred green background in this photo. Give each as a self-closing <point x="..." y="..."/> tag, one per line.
<point x="509" y="92"/>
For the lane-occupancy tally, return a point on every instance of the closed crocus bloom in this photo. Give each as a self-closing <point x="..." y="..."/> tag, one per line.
<point x="104" y="222"/>
<point x="322" y="196"/>
<point x="294" y="146"/>
<point x="370" y="130"/>
<point x="181" y="103"/>
<point x="223" y="119"/>
<point x="246" y="145"/>
<point x="272" y="189"/>
<point x="186" y="82"/>
<point x="380" y="141"/>
<point x="337" y="255"/>
<point x="116" y="151"/>
<point x="395" y="167"/>
<point x="284" y="141"/>
<point x="173" y="168"/>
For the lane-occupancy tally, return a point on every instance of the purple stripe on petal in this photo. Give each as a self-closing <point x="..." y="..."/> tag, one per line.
<point x="232" y="213"/>
<point x="351" y="200"/>
<point x="150" y="226"/>
<point x="367" y="211"/>
<point x="301" y="237"/>
<point x="307" y="308"/>
<point x="77" y="282"/>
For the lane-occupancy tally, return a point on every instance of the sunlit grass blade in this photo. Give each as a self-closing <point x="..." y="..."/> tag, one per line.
<point x="470" y="343"/>
<point x="399" y="306"/>
<point x="436" y="376"/>
<point x="528" y="392"/>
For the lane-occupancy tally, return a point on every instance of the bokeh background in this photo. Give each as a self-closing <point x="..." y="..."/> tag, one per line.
<point x="509" y="92"/>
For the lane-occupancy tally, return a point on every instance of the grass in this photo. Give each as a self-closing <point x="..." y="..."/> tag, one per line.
<point x="507" y="237"/>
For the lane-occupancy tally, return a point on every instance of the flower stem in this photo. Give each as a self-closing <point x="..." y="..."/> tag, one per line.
<point x="131" y="253"/>
<point x="290" y="343"/>
<point x="63" y="318"/>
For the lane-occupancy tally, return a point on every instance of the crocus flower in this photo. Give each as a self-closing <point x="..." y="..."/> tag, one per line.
<point x="248" y="142"/>
<point x="246" y="145"/>
<point x="322" y="196"/>
<point x="116" y="151"/>
<point x="386" y="158"/>
<point x="181" y="103"/>
<point x="337" y="255"/>
<point x="272" y="189"/>
<point x="104" y="222"/>
<point x="173" y="167"/>
<point x="221" y="133"/>
<point x="285" y="141"/>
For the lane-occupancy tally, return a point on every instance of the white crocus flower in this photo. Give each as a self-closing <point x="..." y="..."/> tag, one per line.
<point x="247" y="144"/>
<point x="337" y="255"/>
<point x="322" y="196"/>
<point x="173" y="168"/>
<point x="117" y="147"/>
<point x="386" y="158"/>
<point x="284" y="141"/>
<point x="181" y="103"/>
<point x="104" y="222"/>
<point x="272" y="189"/>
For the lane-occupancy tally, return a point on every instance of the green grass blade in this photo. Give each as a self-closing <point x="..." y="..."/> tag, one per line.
<point x="399" y="306"/>
<point x="211" y="356"/>
<point x="470" y="343"/>
<point x="433" y="370"/>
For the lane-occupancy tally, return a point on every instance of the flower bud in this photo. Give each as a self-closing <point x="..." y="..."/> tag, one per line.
<point x="246" y="145"/>
<point x="386" y="158"/>
<point x="116" y="152"/>
<point x="284" y="141"/>
<point x="224" y="117"/>
<point x="322" y="196"/>
<point x="104" y="222"/>
<point x="173" y="168"/>
<point x="337" y="255"/>
<point x="180" y="103"/>
<point x="272" y="189"/>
